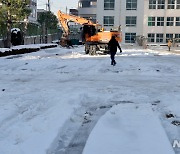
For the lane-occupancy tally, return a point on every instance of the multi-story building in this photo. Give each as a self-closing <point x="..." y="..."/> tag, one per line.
<point x="156" y="20"/>
<point x="33" y="16"/>
<point x="73" y="12"/>
<point x="87" y="9"/>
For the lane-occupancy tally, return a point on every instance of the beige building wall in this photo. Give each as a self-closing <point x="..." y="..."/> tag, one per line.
<point x="160" y="13"/>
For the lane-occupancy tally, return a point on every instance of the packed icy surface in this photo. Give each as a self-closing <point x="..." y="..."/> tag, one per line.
<point x="54" y="98"/>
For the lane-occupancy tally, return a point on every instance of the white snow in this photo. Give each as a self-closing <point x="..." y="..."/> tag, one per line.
<point x="30" y="46"/>
<point x="4" y="49"/>
<point x="128" y="129"/>
<point x="40" y="92"/>
<point x="15" y="30"/>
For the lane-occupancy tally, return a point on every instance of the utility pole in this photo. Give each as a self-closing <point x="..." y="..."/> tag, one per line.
<point x="9" y="24"/>
<point x="66" y="9"/>
<point x="48" y="5"/>
<point x="45" y="30"/>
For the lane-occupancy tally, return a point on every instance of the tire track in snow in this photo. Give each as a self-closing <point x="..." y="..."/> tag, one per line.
<point x="169" y="122"/>
<point x="73" y="136"/>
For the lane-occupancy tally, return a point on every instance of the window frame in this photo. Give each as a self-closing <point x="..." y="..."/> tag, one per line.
<point x="178" y="4"/>
<point x="171" y="4"/>
<point x="152" y="4"/>
<point x="177" y="21"/>
<point x="160" y="22"/>
<point x="161" y="4"/>
<point x="109" y="4"/>
<point x="131" y="4"/>
<point x="131" y="37"/>
<point x="151" y="37"/>
<point x="152" y="22"/>
<point x="169" y="36"/>
<point x="158" y="38"/>
<point x="177" y="36"/>
<point x="170" y="21"/>
<point x="109" y="18"/>
<point x="132" y="21"/>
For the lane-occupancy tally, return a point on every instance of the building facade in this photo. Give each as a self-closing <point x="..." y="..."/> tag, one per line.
<point x="88" y="9"/>
<point x="33" y="16"/>
<point x="73" y="12"/>
<point x="156" y="20"/>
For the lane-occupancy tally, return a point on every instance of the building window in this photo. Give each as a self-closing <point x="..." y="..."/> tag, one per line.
<point x="151" y="37"/>
<point x="177" y="38"/>
<point x="93" y="4"/>
<point x="84" y="4"/>
<point x="108" y="4"/>
<point x="169" y="37"/>
<point x="33" y="13"/>
<point x="170" y="21"/>
<point x="177" y="21"/>
<point x="131" y="4"/>
<point x="178" y="4"/>
<point x="159" y="38"/>
<point x="171" y="4"/>
<point x="130" y="37"/>
<point x="130" y="21"/>
<point x="92" y="18"/>
<point x="161" y="4"/>
<point x="151" y="21"/>
<point x="152" y="4"/>
<point x="108" y="20"/>
<point x="160" y="21"/>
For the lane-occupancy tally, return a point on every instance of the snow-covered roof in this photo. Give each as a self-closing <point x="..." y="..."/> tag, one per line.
<point x="15" y="30"/>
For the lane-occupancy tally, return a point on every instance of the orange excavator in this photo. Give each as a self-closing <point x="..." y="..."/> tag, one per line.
<point x="94" y="36"/>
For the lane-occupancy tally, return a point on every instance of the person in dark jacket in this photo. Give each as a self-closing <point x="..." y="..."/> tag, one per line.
<point x="112" y="45"/>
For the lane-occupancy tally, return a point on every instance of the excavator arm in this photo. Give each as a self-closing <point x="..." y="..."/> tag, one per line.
<point x="65" y="18"/>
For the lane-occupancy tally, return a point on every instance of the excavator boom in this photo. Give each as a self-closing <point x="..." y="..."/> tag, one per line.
<point x="65" y="18"/>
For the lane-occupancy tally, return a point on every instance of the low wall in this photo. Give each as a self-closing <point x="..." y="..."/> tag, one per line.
<point x="24" y="49"/>
<point x="1" y="43"/>
<point x="39" y="39"/>
<point x="35" y="39"/>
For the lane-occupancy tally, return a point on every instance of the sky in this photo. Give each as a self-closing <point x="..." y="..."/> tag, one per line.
<point x="58" y="5"/>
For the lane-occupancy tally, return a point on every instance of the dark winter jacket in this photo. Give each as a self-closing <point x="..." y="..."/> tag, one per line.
<point x="113" y="44"/>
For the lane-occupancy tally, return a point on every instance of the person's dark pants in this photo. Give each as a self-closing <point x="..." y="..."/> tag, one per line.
<point x="113" y="62"/>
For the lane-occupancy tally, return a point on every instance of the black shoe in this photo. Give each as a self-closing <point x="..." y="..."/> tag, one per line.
<point x="114" y="63"/>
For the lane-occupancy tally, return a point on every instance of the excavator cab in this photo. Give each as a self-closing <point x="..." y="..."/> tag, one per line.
<point x="88" y="31"/>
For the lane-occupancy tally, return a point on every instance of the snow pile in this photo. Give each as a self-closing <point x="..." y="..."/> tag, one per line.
<point x="4" y="50"/>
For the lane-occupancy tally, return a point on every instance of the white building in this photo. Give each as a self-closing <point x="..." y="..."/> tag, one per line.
<point x="158" y="20"/>
<point x="87" y="9"/>
<point x="33" y="16"/>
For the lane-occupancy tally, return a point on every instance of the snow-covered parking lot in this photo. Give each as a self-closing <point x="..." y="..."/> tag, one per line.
<point x="61" y="101"/>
